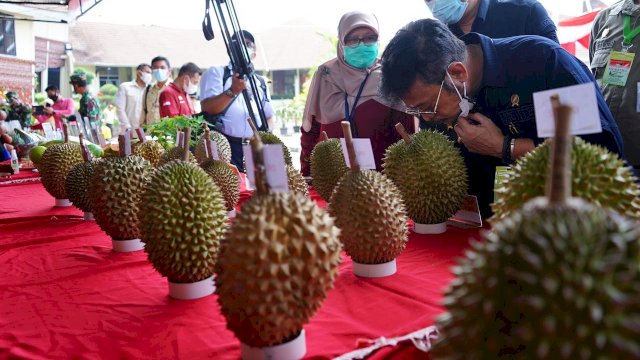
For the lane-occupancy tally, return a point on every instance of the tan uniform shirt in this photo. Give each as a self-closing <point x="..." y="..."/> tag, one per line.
<point x="623" y="101"/>
<point x="151" y="110"/>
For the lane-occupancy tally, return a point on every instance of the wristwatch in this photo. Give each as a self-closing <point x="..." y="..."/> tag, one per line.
<point x="229" y="93"/>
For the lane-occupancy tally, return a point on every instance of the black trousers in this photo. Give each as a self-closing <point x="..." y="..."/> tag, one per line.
<point x="237" y="156"/>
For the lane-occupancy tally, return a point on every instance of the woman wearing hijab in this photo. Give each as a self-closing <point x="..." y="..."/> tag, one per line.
<point x="346" y="89"/>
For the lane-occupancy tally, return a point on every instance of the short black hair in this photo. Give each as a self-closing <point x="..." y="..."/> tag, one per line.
<point x="144" y="65"/>
<point x="189" y="69"/>
<point x="161" y="58"/>
<point x="51" y="88"/>
<point x="246" y="35"/>
<point x="422" y="50"/>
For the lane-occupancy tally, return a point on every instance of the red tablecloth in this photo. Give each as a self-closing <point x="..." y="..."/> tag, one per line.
<point x="65" y="294"/>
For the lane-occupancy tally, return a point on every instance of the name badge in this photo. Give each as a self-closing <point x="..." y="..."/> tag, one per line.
<point x="618" y="68"/>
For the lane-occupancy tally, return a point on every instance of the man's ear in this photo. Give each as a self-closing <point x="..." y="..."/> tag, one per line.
<point x="458" y="71"/>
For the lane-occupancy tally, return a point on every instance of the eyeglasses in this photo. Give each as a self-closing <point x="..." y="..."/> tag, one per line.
<point x="429" y="114"/>
<point x="367" y="40"/>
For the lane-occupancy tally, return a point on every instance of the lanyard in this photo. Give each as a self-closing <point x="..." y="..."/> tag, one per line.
<point x="349" y="115"/>
<point x="628" y="34"/>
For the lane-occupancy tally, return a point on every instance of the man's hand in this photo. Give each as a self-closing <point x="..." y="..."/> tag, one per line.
<point x="480" y="135"/>
<point x="48" y="110"/>
<point x="237" y="84"/>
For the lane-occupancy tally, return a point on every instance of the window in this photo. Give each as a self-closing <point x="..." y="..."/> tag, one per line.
<point x="7" y="36"/>
<point x="108" y="75"/>
<point x="283" y="84"/>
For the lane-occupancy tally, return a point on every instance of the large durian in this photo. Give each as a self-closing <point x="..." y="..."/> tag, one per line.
<point x="224" y="177"/>
<point x="296" y="182"/>
<point x="56" y="162"/>
<point x="430" y="174"/>
<point x="222" y="145"/>
<point x="118" y="184"/>
<point x="370" y="214"/>
<point x="327" y="166"/>
<point x="276" y="265"/>
<point x="558" y="279"/>
<point x="599" y="177"/>
<point x="269" y="138"/>
<point x="148" y="149"/>
<point x="175" y="153"/>
<point x="79" y="179"/>
<point x="183" y="220"/>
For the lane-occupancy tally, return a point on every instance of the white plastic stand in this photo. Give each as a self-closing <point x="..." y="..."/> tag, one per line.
<point x="430" y="228"/>
<point x="88" y="216"/>
<point x="231" y="214"/>
<point x="63" y="203"/>
<point x="127" y="245"/>
<point x="194" y="290"/>
<point x="292" y="350"/>
<point x="375" y="270"/>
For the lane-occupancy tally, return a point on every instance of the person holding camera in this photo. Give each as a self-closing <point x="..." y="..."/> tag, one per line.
<point x="56" y="107"/>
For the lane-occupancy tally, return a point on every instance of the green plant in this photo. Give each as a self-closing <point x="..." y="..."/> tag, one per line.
<point x="166" y="129"/>
<point x="39" y="98"/>
<point x="107" y="95"/>
<point x="87" y="74"/>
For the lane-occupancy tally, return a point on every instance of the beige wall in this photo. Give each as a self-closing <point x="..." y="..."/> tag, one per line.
<point x="59" y="32"/>
<point x="25" y="40"/>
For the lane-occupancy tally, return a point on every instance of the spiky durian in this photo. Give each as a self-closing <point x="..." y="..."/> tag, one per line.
<point x="222" y="144"/>
<point x="296" y="181"/>
<point x="276" y="265"/>
<point x="269" y="138"/>
<point x="78" y="184"/>
<point x="327" y="167"/>
<point x="371" y="216"/>
<point x="430" y="174"/>
<point x="599" y="177"/>
<point x="183" y="218"/>
<point x="225" y="178"/>
<point x="118" y="184"/>
<point x="149" y="150"/>
<point x="172" y="154"/>
<point x="56" y="162"/>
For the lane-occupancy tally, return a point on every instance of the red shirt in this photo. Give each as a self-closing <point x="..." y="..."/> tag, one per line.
<point x="174" y="101"/>
<point x="374" y="121"/>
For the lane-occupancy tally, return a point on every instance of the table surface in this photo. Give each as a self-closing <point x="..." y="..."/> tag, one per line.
<point x="65" y="294"/>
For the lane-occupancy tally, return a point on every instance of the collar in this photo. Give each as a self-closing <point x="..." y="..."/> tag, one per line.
<point x="483" y="9"/>
<point x="175" y="87"/>
<point x="492" y="74"/>
<point x="626" y="7"/>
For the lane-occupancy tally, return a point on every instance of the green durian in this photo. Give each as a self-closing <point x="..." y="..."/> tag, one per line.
<point x="327" y="167"/>
<point x="222" y="144"/>
<point x="56" y="162"/>
<point x="599" y="177"/>
<point x="269" y="138"/>
<point x="182" y="220"/>
<point x="174" y="153"/>
<point x="225" y="178"/>
<point x="78" y="184"/>
<point x="149" y="150"/>
<point x="430" y="174"/>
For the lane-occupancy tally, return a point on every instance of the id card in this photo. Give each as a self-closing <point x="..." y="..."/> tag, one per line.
<point x="618" y="68"/>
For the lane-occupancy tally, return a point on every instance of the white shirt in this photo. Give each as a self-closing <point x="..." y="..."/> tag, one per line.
<point x="234" y="120"/>
<point x="129" y="105"/>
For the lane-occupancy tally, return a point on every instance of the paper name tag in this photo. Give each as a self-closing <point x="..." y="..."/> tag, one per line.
<point x="214" y="150"/>
<point x="273" y="155"/>
<point x="583" y="101"/>
<point x="248" y="166"/>
<point x="179" y="138"/>
<point x="48" y="131"/>
<point x="364" y="153"/>
<point x="127" y="144"/>
<point x="469" y="214"/>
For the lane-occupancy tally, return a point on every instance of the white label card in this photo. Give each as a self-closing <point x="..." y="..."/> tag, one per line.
<point x="364" y="153"/>
<point x="48" y="131"/>
<point x="179" y="136"/>
<point x="214" y="150"/>
<point x="582" y="99"/>
<point x="248" y="166"/>
<point x="469" y="214"/>
<point x="275" y="169"/>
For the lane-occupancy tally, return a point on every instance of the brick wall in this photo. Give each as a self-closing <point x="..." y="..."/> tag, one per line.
<point x="17" y="75"/>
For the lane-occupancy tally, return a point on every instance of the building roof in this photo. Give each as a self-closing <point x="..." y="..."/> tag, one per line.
<point x="289" y="46"/>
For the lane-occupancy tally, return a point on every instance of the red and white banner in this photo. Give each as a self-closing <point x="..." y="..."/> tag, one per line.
<point x="576" y="30"/>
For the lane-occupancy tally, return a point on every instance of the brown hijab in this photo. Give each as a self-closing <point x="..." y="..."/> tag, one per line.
<point x="325" y="101"/>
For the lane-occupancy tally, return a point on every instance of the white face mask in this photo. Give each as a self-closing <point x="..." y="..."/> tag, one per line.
<point x="465" y="104"/>
<point x="251" y="52"/>
<point x="160" y="75"/>
<point x="146" y="78"/>
<point x="190" y="88"/>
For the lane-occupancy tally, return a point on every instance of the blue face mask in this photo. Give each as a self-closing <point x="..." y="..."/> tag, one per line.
<point x="447" y="11"/>
<point x="160" y="74"/>
<point x="361" y="56"/>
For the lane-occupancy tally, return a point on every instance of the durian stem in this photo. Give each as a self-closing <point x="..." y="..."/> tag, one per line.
<point x="185" y="143"/>
<point x="65" y="130"/>
<point x="403" y="133"/>
<point x="141" y="136"/>
<point x="348" y="139"/>
<point x="121" y="145"/>
<point x="207" y="142"/>
<point x="85" y="155"/>
<point x="131" y="137"/>
<point x="325" y="137"/>
<point x="559" y="180"/>
<point x="253" y="127"/>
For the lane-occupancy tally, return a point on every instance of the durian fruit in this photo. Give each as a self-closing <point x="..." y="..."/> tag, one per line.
<point x="278" y="261"/>
<point x="369" y="212"/>
<point x="110" y="153"/>
<point x="224" y="177"/>
<point x="79" y="180"/>
<point x="118" y="184"/>
<point x="174" y="153"/>
<point x="269" y="138"/>
<point x="558" y="279"/>
<point x="56" y="162"/>
<point x="430" y="174"/>
<point x="296" y="181"/>
<point x="183" y="219"/>
<point x="222" y="144"/>
<point x="148" y="149"/>
<point x="327" y="166"/>
<point x="599" y="177"/>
